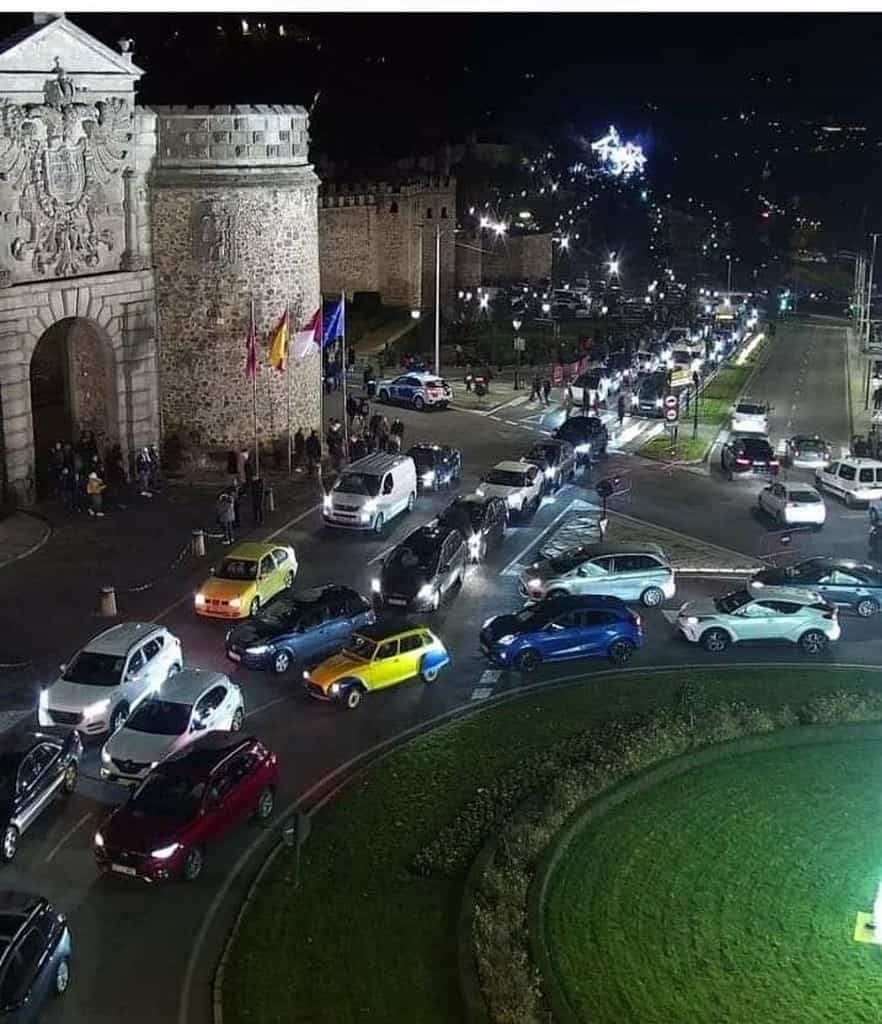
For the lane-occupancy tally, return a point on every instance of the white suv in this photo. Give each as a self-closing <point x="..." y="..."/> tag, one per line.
<point x="854" y="480"/>
<point x="749" y="417"/>
<point x="109" y="677"/>
<point x="520" y="484"/>
<point x="779" y="613"/>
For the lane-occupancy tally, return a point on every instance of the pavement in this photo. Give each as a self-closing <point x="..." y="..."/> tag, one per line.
<point x="148" y="955"/>
<point x="21" y="535"/>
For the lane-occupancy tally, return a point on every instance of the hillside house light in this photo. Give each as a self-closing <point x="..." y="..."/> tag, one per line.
<point x="516" y="324"/>
<point x="565" y="242"/>
<point x="604" y="310"/>
<point x="546" y="308"/>
<point x="613" y="264"/>
<point x="414" y="314"/>
<point x="485" y="301"/>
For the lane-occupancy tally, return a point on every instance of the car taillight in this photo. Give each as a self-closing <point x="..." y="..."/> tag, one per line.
<point x="742" y="462"/>
<point x="773" y="462"/>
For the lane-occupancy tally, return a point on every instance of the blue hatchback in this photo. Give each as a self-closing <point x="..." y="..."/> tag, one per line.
<point x="566" y="627"/>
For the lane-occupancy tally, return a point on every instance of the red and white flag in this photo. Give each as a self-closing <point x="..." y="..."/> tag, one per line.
<point x="309" y="338"/>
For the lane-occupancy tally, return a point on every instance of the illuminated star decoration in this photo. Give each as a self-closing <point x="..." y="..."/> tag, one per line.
<point x="619" y="159"/>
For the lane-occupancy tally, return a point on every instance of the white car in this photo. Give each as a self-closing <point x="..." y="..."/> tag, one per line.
<point x="106" y="680"/>
<point x="793" y="503"/>
<point x="596" y="380"/>
<point x="519" y="484"/>
<point x="780" y="613"/>
<point x="191" y="703"/>
<point x="749" y="417"/>
<point x="854" y="480"/>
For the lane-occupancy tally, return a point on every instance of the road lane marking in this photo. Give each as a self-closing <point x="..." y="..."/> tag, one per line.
<point x="51" y="855"/>
<point x="269" y="704"/>
<point x="575" y="502"/>
<point x="382" y="554"/>
<point x="298" y="518"/>
<point x="489" y="676"/>
<point x="481" y="692"/>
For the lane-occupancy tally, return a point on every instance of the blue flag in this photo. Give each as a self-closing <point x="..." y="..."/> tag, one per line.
<point x="334" y="325"/>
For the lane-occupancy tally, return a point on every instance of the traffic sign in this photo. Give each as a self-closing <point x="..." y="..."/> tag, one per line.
<point x="671" y="401"/>
<point x="672" y="415"/>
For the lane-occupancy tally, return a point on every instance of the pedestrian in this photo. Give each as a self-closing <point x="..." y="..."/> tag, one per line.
<point x="397" y="430"/>
<point x="351" y="407"/>
<point x="226" y="516"/>
<point x="621" y="409"/>
<point x="568" y="402"/>
<point x="314" y="452"/>
<point x="154" y="468"/>
<point x="357" y="448"/>
<point x="257" y="500"/>
<point x="458" y="351"/>
<point x="469" y="376"/>
<point x="95" y="489"/>
<point x="248" y="467"/>
<point x="535" y="388"/>
<point x="350" y="357"/>
<point x="235" y="495"/>
<point x="383" y="434"/>
<point x="142" y="467"/>
<point x="299" y="447"/>
<point x="233" y="466"/>
<point x="546" y="390"/>
<point x="68" y="489"/>
<point x="356" y="426"/>
<point x="368" y="375"/>
<point x="393" y="445"/>
<point x="56" y="464"/>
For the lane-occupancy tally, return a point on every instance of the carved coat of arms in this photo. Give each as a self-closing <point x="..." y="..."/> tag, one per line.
<point x="213" y="233"/>
<point x="59" y="156"/>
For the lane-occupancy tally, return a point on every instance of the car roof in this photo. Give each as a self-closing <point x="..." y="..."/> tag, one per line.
<point x="422" y="375"/>
<point x="433" y="532"/>
<point x="513" y="467"/>
<point x="554" y="605"/>
<point x="252" y="550"/>
<point x="17" y="744"/>
<point x="391" y="629"/>
<point x="16" y="910"/>
<point x="190" y="683"/>
<point x="198" y="760"/>
<point x="377" y="463"/>
<point x="596" y="550"/>
<point x="794" y="594"/>
<point x="797" y="485"/>
<point x="852" y="461"/>
<point x="429" y="446"/>
<point x="120" y="639"/>
<point x="806" y="437"/>
<point x="831" y="562"/>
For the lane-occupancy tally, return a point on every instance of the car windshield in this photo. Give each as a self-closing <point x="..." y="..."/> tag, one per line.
<point x="94" y="669"/>
<point x="566" y="561"/>
<point x="732" y="602"/>
<point x="415" y="555"/>
<point x="358" y="483"/>
<point x="750" y="409"/>
<point x="168" y="795"/>
<point x="423" y="457"/>
<point x="682" y="355"/>
<point x="281" y="610"/>
<point x="360" y="647"/>
<point x="160" y="717"/>
<point x="756" y="448"/>
<point x="812" y="570"/>
<point x="237" y="569"/>
<point x="810" y="444"/>
<point x="526" y="615"/>
<point x="543" y="453"/>
<point x="506" y="478"/>
<point x="804" y="497"/>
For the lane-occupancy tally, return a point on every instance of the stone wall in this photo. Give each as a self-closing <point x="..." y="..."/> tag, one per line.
<point x="515" y="258"/>
<point x="348" y="250"/>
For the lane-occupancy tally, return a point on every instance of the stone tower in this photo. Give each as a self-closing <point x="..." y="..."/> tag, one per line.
<point x="234" y="216"/>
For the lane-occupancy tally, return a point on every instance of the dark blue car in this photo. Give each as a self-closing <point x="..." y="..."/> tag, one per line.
<point x="565" y="627"/>
<point x="296" y="628"/>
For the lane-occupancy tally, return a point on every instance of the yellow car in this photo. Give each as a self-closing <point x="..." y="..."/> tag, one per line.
<point x="245" y="580"/>
<point x="376" y="657"/>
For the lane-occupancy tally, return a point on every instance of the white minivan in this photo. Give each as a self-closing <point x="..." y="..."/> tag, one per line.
<point x="371" y="491"/>
<point x="855" y="480"/>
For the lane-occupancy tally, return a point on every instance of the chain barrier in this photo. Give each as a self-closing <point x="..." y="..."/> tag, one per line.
<point x="176" y="561"/>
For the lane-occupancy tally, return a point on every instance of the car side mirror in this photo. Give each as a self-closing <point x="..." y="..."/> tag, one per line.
<point x="196" y="725"/>
<point x="62" y="667"/>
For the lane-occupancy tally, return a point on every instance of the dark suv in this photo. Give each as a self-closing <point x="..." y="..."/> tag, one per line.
<point x="557" y="460"/>
<point x="437" y="465"/>
<point x="482" y="521"/>
<point x="35" y="958"/>
<point x="588" y="436"/>
<point x="423" y="569"/>
<point x="748" y="456"/>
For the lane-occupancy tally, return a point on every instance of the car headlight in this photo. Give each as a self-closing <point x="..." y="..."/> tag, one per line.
<point x="486" y="622"/>
<point x="44" y="699"/>
<point x="334" y="689"/>
<point x="364" y="516"/>
<point x="581" y="449"/>
<point x="259" y="649"/>
<point x="376" y="586"/>
<point x="98" y="840"/>
<point x="757" y="583"/>
<point x="305" y="674"/>
<point x="549" y="473"/>
<point x="426" y="592"/>
<point x="165" y="852"/>
<point x="105" y="757"/>
<point x="474" y="544"/>
<point x="658" y="403"/>
<point x="429" y="477"/>
<point x="199" y="600"/>
<point x="691" y="620"/>
<point x="535" y="584"/>
<point x="370" y="506"/>
<point x="236" y="602"/>
<point x="327" y="502"/>
<point x="480" y="492"/>
<point x="96" y="709"/>
<point x="506" y="640"/>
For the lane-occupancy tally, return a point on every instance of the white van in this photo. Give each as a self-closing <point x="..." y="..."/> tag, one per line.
<point x="855" y="480"/>
<point x="371" y="491"/>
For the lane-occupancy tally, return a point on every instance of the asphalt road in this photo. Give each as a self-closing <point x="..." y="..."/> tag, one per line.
<point x="148" y="954"/>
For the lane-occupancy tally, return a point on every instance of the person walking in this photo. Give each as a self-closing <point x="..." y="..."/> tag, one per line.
<point x="621" y="409"/>
<point x="226" y="516"/>
<point x="299" y="447"/>
<point x="68" y="489"/>
<point x="95" y="489"/>
<point x="257" y="490"/>
<point x="546" y="390"/>
<point x="314" y="453"/>
<point x="458" y="352"/>
<point x="356" y="425"/>
<point x="143" y="468"/>
<point x="351" y="407"/>
<point x="233" y="466"/>
<point x="568" y="402"/>
<point x="357" y="448"/>
<point x="535" y="388"/>
<point x="383" y="434"/>
<point x="248" y="468"/>
<point x="397" y="430"/>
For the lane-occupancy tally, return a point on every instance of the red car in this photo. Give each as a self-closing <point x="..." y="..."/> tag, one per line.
<point x="185" y="804"/>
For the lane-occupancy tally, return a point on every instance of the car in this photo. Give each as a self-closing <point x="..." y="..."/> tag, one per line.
<point x="793" y="504"/>
<point x="807" y="450"/>
<point x="371" y="491"/>
<point x="437" y="465"/>
<point x="35" y="962"/>
<point x="382" y="655"/>
<point x="193" y="701"/>
<point x="588" y="436"/>
<point x="294" y="628"/>
<point x="105" y="680"/>
<point x="34" y="768"/>
<point x="687" y="360"/>
<point x="801" y="617"/>
<point x="650" y="397"/>
<point x="556" y="459"/>
<point x="419" y="390"/>
<point x="632" y="572"/>
<point x="750" y="417"/>
<point x="427" y="567"/>
<point x="647" y="361"/>
<point x="519" y="484"/>
<point x="856" y="481"/>
<point x="482" y="521"/>
<point x="583" y="626"/>
<point x="620" y="367"/>
<point x="840" y="581"/>
<point x="247" y="578"/>
<point x="596" y="380"/>
<point x="186" y="804"/>
<point x="748" y="456"/>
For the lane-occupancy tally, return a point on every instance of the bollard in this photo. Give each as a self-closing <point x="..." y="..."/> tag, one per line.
<point x="199" y="543"/>
<point x="269" y="500"/>
<point x="108" y="603"/>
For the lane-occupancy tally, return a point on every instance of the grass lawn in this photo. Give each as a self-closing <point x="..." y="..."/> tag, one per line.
<point x="727" y="894"/>
<point x="363" y="938"/>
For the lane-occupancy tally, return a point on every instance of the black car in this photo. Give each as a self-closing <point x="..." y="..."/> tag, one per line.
<point x="437" y="465"/>
<point x="423" y="569"/>
<point x="293" y="628"/>
<point x="839" y="581"/>
<point x="588" y="436"/>
<point x="35" y="958"/>
<point x="557" y="460"/>
<point x="748" y="456"/>
<point x="34" y="768"/>
<point x="482" y="521"/>
<point x="650" y="397"/>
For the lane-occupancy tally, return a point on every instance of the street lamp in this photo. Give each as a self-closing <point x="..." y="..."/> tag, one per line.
<point x="546" y="308"/>
<point x="516" y="325"/>
<point x="415" y="314"/>
<point x="613" y="265"/>
<point x="729" y="282"/>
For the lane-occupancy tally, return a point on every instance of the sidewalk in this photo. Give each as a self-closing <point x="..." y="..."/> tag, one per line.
<point x="860" y="419"/>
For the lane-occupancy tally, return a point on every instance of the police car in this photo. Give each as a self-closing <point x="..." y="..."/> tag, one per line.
<point x="416" y="390"/>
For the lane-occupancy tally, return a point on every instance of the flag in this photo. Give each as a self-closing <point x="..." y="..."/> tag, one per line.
<point x="335" y="327"/>
<point x="309" y="338"/>
<point x="278" y="353"/>
<point x="251" y="360"/>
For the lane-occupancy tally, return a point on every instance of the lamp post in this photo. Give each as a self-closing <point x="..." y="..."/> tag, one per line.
<point x="516" y="326"/>
<point x="729" y="275"/>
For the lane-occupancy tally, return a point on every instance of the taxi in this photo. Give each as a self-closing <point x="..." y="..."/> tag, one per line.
<point x="376" y="657"/>
<point x="245" y="580"/>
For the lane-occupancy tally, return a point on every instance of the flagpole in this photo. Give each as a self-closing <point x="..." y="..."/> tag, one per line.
<point x="254" y="397"/>
<point x="288" y="385"/>
<point x="343" y="336"/>
<point x="321" y="374"/>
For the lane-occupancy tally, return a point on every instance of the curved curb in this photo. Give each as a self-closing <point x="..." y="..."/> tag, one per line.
<point x="597" y="808"/>
<point x="48" y="530"/>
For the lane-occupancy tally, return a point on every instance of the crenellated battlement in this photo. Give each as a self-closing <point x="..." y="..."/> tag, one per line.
<point x="336" y="193"/>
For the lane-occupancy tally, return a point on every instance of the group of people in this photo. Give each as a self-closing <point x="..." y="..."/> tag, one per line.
<point x="244" y="483"/>
<point x="81" y="479"/>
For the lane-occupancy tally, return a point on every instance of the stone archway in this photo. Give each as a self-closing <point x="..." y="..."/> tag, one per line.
<point x="73" y="389"/>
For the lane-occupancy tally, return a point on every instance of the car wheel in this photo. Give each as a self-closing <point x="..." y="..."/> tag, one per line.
<point x="281" y="662"/>
<point x="193" y="864"/>
<point x="383" y="396"/>
<point x="652" y="597"/>
<point x="238" y="720"/>
<point x="9" y="846"/>
<point x="255" y="607"/>
<point x="813" y="642"/>
<point x="418" y="403"/>
<point x="428" y="675"/>
<point x="620" y="651"/>
<point x="265" y="804"/>
<point x="71" y="776"/>
<point x="119" y="716"/>
<point x="411" y="501"/>
<point x="379" y="523"/>
<point x="61" y="982"/>
<point x="528" y="661"/>
<point x="289" y="578"/>
<point x="866" y="607"/>
<point x="715" y="640"/>
<point x="353" y="697"/>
